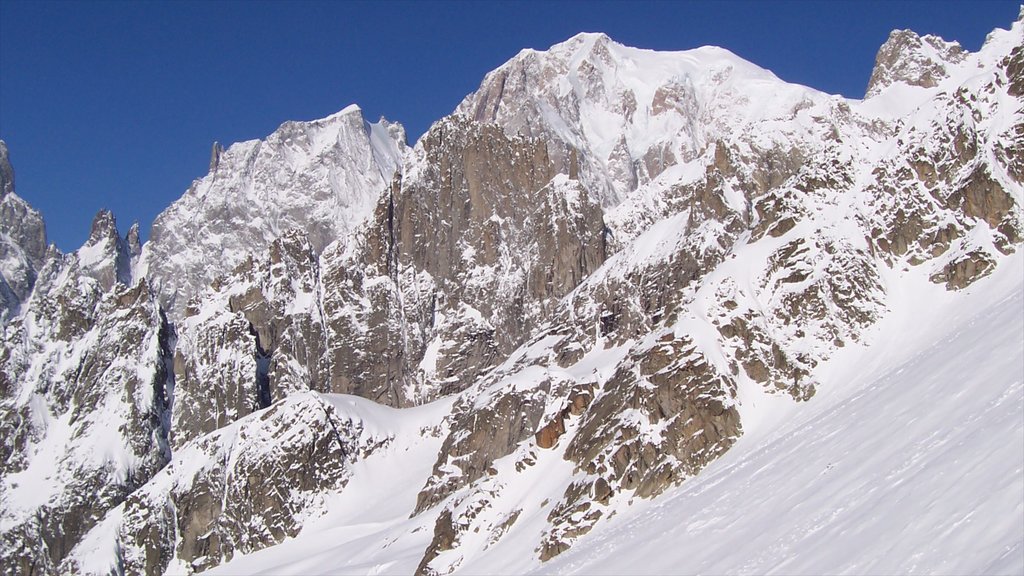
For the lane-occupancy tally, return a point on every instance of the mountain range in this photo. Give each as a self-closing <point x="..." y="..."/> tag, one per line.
<point x="621" y="311"/>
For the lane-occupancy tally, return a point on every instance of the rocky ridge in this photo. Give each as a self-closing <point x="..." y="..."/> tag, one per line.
<point x="590" y="260"/>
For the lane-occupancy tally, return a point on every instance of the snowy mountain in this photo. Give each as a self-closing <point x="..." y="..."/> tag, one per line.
<point x="322" y="177"/>
<point x="622" y="311"/>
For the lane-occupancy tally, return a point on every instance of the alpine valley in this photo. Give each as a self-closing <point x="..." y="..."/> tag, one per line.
<point x="622" y="311"/>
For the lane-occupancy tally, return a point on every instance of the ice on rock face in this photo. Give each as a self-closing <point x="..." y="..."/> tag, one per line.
<point x="323" y="177"/>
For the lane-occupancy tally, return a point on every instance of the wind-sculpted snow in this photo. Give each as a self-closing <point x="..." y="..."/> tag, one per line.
<point x="611" y="275"/>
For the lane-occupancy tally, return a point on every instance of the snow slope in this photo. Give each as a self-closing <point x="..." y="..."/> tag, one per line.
<point x="910" y="459"/>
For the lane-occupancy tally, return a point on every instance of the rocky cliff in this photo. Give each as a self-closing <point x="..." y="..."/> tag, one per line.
<point x="83" y="400"/>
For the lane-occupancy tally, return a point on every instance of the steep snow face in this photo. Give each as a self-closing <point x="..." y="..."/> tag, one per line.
<point x="323" y="177"/>
<point x="621" y="116"/>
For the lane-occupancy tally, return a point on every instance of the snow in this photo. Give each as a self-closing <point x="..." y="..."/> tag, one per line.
<point x="322" y="177"/>
<point x="91" y="254"/>
<point x="34" y="486"/>
<point x="618" y="105"/>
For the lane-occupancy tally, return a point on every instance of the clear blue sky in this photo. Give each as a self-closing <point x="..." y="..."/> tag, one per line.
<point x="115" y="104"/>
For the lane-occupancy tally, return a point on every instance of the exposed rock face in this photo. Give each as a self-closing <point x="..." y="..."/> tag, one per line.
<point x="473" y="247"/>
<point x="6" y="171"/>
<point x="22" y="242"/>
<point x="215" y="153"/>
<point x="322" y="176"/>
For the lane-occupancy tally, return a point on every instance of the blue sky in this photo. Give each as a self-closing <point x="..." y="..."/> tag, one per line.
<point x="116" y="104"/>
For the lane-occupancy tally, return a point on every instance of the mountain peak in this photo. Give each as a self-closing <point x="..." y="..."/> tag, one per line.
<point x="913" y="60"/>
<point x="133" y="240"/>
<point x="104" y="226"/>
<point x="588" y="39"/>
<point x="352" y="110"/>
<point x="322" y="176"/>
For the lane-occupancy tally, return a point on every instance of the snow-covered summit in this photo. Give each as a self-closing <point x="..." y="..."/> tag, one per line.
<point x="627" y="114"/>
<point x="321" y="176"/>
<point x="22" y="241"/>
